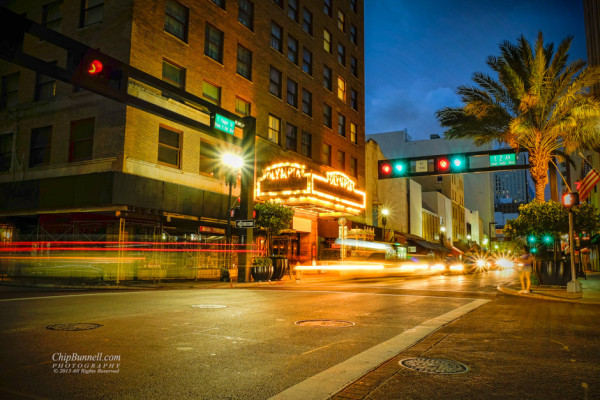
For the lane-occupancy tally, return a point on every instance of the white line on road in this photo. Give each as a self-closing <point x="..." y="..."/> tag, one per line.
<point x="325" y="384"/>
<point x="68" y="295"/>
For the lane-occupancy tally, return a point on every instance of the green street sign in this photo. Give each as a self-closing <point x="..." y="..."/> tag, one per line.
<point x="500" y="160"/>
<point x="224" y="124"/>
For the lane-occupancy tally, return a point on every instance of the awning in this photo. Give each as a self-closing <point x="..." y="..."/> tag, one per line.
<point x="430" y="245"/>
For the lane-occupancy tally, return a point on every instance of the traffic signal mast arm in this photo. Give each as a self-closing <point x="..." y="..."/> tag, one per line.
<point x="100" y="73"/>
<point x="444" y="164"/>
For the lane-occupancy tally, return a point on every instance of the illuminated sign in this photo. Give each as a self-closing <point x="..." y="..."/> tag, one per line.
<point x="292" y="184"/>
<point x="500" y="160"/>
<point x="224" y="124"/>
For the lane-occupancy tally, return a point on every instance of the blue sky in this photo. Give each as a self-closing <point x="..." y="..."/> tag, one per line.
<point x="418" y="52"/>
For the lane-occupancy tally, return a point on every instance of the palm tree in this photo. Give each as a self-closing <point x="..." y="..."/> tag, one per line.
<point x="539" y="103"/>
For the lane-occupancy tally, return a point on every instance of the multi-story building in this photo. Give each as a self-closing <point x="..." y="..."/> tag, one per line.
<point x="74" y="161"/>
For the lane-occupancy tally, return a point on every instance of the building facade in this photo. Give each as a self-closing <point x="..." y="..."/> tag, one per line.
<point x="73" y="162"/>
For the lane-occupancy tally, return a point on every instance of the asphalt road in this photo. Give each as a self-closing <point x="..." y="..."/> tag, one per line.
<point x="240" y="343"/>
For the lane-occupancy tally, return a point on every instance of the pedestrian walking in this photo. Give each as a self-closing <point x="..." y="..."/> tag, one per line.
<point x="525" y="270"/>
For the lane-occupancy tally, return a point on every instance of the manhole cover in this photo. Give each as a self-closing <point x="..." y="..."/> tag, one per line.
<point x="209" y="306"/>
<point x="434" y="365"/>
<point x="328" y="323"/>
<point x="73" y="327"/>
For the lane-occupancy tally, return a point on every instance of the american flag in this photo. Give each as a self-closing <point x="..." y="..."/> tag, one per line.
<point x="589" y="178"/>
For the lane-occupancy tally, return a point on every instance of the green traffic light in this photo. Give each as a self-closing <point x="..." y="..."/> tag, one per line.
<point x="531" y="239"/>
<point x="400" y="168"/>
<point x="458" y="163"/>
<point x="533" y="250"/>
<point x="547" y="239"/>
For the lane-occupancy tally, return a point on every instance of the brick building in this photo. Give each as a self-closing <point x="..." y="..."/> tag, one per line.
<point x="75" y="164"/>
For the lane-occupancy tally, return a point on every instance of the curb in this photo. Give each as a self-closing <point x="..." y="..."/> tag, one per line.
<point x="513" y="292"/>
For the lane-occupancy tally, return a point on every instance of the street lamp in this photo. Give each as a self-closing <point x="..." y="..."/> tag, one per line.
<point x="385" y="212"/>
<point x="233" y="163"/>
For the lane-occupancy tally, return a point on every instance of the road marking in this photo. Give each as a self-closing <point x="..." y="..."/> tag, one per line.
<point x="68" y="295"/>
<point x="329" y="382"/>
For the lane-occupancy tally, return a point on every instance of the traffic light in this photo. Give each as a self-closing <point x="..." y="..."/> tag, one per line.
<point x="458" y="163"/>
<point x="385" y="169"/>
<point x="97" y="71"/>
<point x="570" y="199"/>
<point x="531" y="239"/>
<point x="236" y="213"/>
<point x="255" y="214"/>
<point x="548" y="240"/>
<point x="442" y="164"/>
<point x="400" y="168"/>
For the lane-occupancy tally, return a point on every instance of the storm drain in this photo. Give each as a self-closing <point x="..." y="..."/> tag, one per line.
<point x="325" y="323"/>
<point x="73" y="327"/>
<point x="209" y="306"/>
<point x="434" y="365"/>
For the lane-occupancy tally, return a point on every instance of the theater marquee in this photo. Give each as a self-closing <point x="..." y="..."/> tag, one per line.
<point x="293" y="185"/>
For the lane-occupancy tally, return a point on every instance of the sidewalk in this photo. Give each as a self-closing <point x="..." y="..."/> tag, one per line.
<point x="590" y="295"/>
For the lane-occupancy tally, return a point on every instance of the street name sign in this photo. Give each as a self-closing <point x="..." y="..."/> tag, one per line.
<point x="244" y="223"/>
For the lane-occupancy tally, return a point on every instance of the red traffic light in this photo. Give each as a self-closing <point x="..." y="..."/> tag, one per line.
<point x="95" y="67"/>
<point x="385" y="169"/>
<point x="443" y="164"/>
<point x="570" y="199"/>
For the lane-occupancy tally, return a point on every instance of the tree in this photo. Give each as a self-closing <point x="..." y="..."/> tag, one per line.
<point x="273" y="217"/>
<point x="540" y="219"/>
<point x="539" y="103"/>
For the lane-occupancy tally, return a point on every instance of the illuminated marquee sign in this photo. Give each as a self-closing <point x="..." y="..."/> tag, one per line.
<point x="292" y="184"/>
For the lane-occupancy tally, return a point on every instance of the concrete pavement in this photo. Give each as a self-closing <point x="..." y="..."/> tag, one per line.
<point x="515" y="347"/>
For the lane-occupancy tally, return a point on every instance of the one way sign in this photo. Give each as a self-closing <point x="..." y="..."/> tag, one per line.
<point x="244" y="223"/>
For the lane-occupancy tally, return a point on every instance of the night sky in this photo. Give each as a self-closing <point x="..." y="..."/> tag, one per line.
<point x="418" y="52"/>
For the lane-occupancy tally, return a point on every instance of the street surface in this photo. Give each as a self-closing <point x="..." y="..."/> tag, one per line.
<point x="248" y="342"/>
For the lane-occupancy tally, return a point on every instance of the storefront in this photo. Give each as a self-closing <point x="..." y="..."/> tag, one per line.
<point x="314" y="198"/>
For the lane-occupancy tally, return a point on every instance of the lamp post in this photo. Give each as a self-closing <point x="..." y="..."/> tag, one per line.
<point x="234" y="163"/>
<point x="385" y="212"/>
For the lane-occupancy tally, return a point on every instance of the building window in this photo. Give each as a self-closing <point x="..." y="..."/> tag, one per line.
<point x="307" y="102"/>
<point x="213" y="43"/>
<point x="211" y="92"/>
<point x="242" y="107"/>
<point x="341" y="54"/>
<point x="327" y="8"/>
<point x="6" y="141"/>
<point x="274" y="129"/>
<point x="341" y="89"/>
<point x="92" y="12"/>
<point x="39" y="147"/>
<point x="220" y="3"/>
<point x="306" y="144"/>
<point x="326" y="154"/>
<point x="354" y="99"/>
<point x="168" y="146"/>
<point x="244" y="62"/>
<point x="81" y="140"/>
<point x="327" y="40"/>
<point x="279" y="3"/>
<point x="353" y="5"/>
<point x="246" y="14"/>
<point x="52" y="15"/>
<point x="292" y="93"/>
<point x="9" y="97"/>
<point x="341" y="160"/>
<point x="354" y="66"/>
<point x="208" y="158"/>
<point x="327" y="118"/>
<point x="293" y="9"/>
<point x="45" y="87"/>
<point x="291" y="137"/>
<point x="292" y="53"/>
<point x="307" y="61"/>
<point x="276" y="37"/>
<point x="275" y="82"/>
<point x="173" y="74"/>
<point x="176" y="20"/>
<point x="353" y="35"/>
<point x="342" y="125"/>
<point x="327" y="78"/>
<point x="353" y="167"/>
<point x="341" y="21"/>
<point x="353" y="133"/>
<point x="307" y="21"/>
